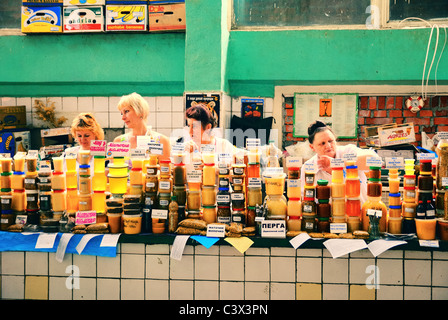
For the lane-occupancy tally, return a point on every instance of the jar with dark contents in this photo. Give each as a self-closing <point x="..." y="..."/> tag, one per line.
<point x="293" y="173"/>
<point x="308" y="207"/>
<point x="223" y="214"/>
<point x="239" y="216"/>
<point x="238" y="201"/>
<point x="223" y="197"/>
<point x="322" y="189"/>
<point x="250" y="217"/>
<point x="323" y="225"/>
<point x="309" y="178"/>
<point x="309" y="223"/>
<point x="375" y="172"/>
<point x="426" y="166"/>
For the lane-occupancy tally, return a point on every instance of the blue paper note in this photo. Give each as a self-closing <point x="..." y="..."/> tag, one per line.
<point x="205" y="241"/>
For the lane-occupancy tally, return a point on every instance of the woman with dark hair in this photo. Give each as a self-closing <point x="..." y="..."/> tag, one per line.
<point x="323" y="142"/>
<point x="200" y="122"/>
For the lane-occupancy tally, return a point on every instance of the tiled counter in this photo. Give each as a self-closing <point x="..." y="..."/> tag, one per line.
<point x="146" y="271"/>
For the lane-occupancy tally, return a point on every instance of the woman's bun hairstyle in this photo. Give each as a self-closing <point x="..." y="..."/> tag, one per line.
<point x="314" y="126"/>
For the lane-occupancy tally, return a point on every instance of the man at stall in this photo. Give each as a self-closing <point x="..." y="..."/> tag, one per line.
<point x="134" y="113"/>
<point x="322" y="141"/>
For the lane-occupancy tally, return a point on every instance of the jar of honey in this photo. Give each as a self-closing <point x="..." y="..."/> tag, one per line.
<point x="99" y="181"/>
<point x="309" y="207"/>
<point x="72" y="200"/>
<point x="294" y="189"/>
<point x="394" y="225"/>
<point x="395" y="211"/>
<point x="394" y="199"/>
<point x="253" y="170"/>
<point x="99" y="164"/>
<point x="309" y="192"/>
<point x="18" y="202"/>
<point x="58" y="182"/>
<point x="209" y="174"/>
<point x="179" y="174"/>
<point x="85" y="184"/>
<point x="323" y="209"/>
<point x="337" y="175"/>
<point x="209" y="214"/>
<point x="84" y="170"/>
<point x="276" y="207"/>
<point x="309" y="178"/>
<point x="337" y="190"/>
<point x="352" y="187"/>
<point x="223" y="214"/>
<point x="71" y="180"/>
<point x="136" y="176"/>
<point x="409" y="194"/>
<point x="165" y="168"/>
<point x="193" y="200"/>
<point x="85" y="201"/>
<point x="353" y="223"/>
<point x="294" y="207"/>
<point x="322" y="189"/>
<point x="99" y="201"/>
<point x="208" y="195"/>
<point x="18" y="180"/>
<point x="409" y="181"/>
<point x="255" y="196"/>
<point x="351" y="172"/>
<point x="374" y="172"/>
<point x="393" y="173"/>
<point x="59" y="200"/>
<point x="238" y="216"/>
<point x="353" y="207"/>
<point x="409" y="209"/>
<point x="338" y="207"/>
<point x="165" y="185"/>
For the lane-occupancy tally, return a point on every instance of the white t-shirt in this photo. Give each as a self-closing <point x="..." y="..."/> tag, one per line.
<point x="322" y="174"/>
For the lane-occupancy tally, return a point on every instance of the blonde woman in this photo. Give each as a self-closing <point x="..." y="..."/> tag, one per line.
<point x="134" y="113"/>
<point x="85" y="128"/>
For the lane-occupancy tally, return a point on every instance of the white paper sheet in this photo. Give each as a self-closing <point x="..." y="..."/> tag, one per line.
<point x="62" y="246"/>
<point x="340" y="247"/>
<point x="84" y="240"/>
<point x="298" y="240"/>
<point x="110" y="240"/>
<point x="377" y="247"/>
<point x="45" y="240"/>
<point x="178" y="247"/>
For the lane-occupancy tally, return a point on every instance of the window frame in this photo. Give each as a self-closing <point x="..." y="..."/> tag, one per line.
<point x="383" y="22"/>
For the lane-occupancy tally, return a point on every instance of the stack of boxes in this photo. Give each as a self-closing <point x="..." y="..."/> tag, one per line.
<point x="74" y="16"/>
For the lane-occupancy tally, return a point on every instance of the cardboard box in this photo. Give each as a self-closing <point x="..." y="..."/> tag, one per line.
<point x="42" y="2"/>
<point x="83" y="19"/>
<point x="166" y="17"/>
<point x="84" y="2"/>
<point x="41" y="19"/>
<point x="12" y="142"/>
<point x="126" y="18"/>
<point x="390" y="134"/>
<point x="12" y="117"/>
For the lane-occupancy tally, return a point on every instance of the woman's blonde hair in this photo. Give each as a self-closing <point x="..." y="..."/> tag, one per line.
<point x="136" y="102"/>
<point x="86" y="121"/>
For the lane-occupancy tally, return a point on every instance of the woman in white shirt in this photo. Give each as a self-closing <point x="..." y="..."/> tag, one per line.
<point x="323" y="142"/>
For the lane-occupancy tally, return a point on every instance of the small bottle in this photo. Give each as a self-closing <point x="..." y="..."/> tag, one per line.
<point x="420" y="211"/>
<point x="430" y="210"/>
<point x="173" y="215"/>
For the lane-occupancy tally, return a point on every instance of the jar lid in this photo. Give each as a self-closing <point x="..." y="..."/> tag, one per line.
<point x="223" y="188"/>
<point x="59" y="190"/>
<point x="18" y="190"/>
<point x="7" y="212"/>
<point x="210" y="207"/>
<point x="374" y="168"/>
<point x="179" y="164"/>
<point x="410" y="176"/>
<point x="374" y="180"/>
<point x="238" y="209"/>
<point x="425" y="173"/>
<point x="208" y="187"/>
<point x="354" y="199"/>
<point x="165" y="161"/>
<point x="99" y="157"/>
<point x="84" y="166"/>
<point x="224" y="207"/>
<point x="337" y="168"/>
<point x="409" y="188"/>
<point x="18" y="173"/>
<point x="395" y="195"/>
<point x="294" y="199"/>
<point x="132" y="169"/>
<point x="294" y="168"/>
<point x="425" y="160"/>
<point x="308" y="199"/>
<point x="5" y="190"/>
<point x="249" y="207"/>
<point x="209" y="164"/>
<point x="6" y="173"/>
<point x="351" y="167"/>
<point x="323" y="219"/>
<point x="99" y="191"/>
<point x="59" y="172"/>
<point x="322" y="182"/>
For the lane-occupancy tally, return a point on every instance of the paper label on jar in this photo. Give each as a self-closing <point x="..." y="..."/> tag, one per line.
<point x="237" y="181"/>
<point x="31" y="181"/>
<point x="444" y="181"/>
<point x="238" y="171"/>
<point x="159" y="213"/>
<point x="430" y="213"/>
<point x="237" y="196"/>
<point x="254" y="182"/>
<point x="225" y="220"/>
<point x="6" y="201"/>
<point x="164" y="169"/>
<point x="409" y="209"/>
<point x="222" y="198"/>
<point x="164" y="185"/>
<point x="41" y="180"/>
<point x="309" y="193"/>
<point x="150" y="184"/>
<point x="307" y="208"/>
<point x="293" y="183"/>
<point x="373" y="212"/>
<point x="30" y="199"/>
<point x="223" y="182"/>
<point x="216" y="230"/>
<point x="273" y="229"/>
<point x="164" y="202"/>
<point x="410" y="194"/>
<point x="43" y="198"/>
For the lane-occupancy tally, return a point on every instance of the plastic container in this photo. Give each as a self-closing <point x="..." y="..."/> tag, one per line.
<point x="409" y="181"/>
<point x="338" y="207"/>
<point x="209" y="214"/>
<point x="19" y="164"/>
<point x="309" y="192"/>
<point x="58" y="181"/>
<point x="395" y="211"/>
<point x="394" y="199"/>
<point x="323" y="209"/>
<point x="72" y="200"/>
<point x="409" y="194"/>
<point x="408" y="209"/>
<point x="208" y="174"/>
<point x="6" y="165"/>
<point x="394" y="225"/>
<point x="309" y="178"/>
<point x="85" y="202"/>
<point x="208" y="195"/>
<point x="394" y="185"/>
<point x="45" y="201"/>
<point x="132" y="224"/>
<point x="275" y="185"/>
<point x="309" y="223"/>
<point x="99" y="181"/>
<point x="18" y="180"/>
<point x="393" y="173"/>
<point x="117" y="170"/>
<point x="165" y="184"/>
<point x="194" y="200"/>
<point x="337" y="175"/>
<point x="99" y="201"/>
<point x="118" y="185"/>
<point x="337" y="190"/>
<point x="70" y="164"/>
<point x="71" y="180"/>
<point x="84" y="170"/>
<point x="84" y="157"/>
<point x="294" y="223"/>
<point x="99" y="164"/>
<point x="136" y="176"/>
<point x="276" y="207"/>
<point x="179" y="175"/>
<point x="181" y="195"/>
<point x="18" y="201"/>
<point x="293" y="188"/>
<point x="165" y="168"/>
<point x="32" y="200"/>
<point x="223" y="214"/>
<point x="426" y="228"/>
<point x="353" y="223"/>
<point x="351" y="172"/>
<point x="294" y="207"/>
<point x="85" y="184"/>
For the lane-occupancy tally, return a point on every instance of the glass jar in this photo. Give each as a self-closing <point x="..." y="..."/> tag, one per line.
<point x="323" y="209"/>
<point x="31" y="164"/>
<point x="294" y="189"/>
<point x="445" y="204"/>
<point x="59" y="200"/>
<point x="6" y="202"/>
<point x="337" y="175"/>
<point x="308" y="207"/>
<point x="165" y="184"/>
<point x="351" y="172"/>
<point x="250" y="217"/>
<point x="208" y="195"/>
<point x="322" y="189"/>
<point x="293" y="173"/>
<point x="85" y="201"/>
<point x="6" y="165"/>
<point x="85" y="184"/>
<point x="5" y="178"/>
<point x="223" y="182"/>
<point x="223" y="214"/>
<point x="409" y="209"/>
<point x="253" y="170"/>
<point x="374" y="188"/>
<point x="209" y="214"/>
<point x="238" y="200"/>
<point x="151" y="184"/>
<point x="209" y="174"/>
<point x="394" y="199"/>
<point x="223" y="197"/>
<point x="323" y="225"/>
<point x="152" y="170"/>
<point x="164" y="200"/>
<point x="409" y="181"/>
<point x="136" y="176"/>
<point x="238" y="169"/>
<point x="32" y="200"/>
<point x="394" y="185"/>
<point x="376" y="204"/>
<point x="353" y="223"/>
<point x="353" y="207"/>
<point x="276" y="207"/>
<point x="239" y="216"/>
<point x="99" y="182"/>
<point x="45" y="201"/>
<point x="309" y="192"/>
<point x="338" y="207"/>
<point x="395" y="211"/>
<point x="83" y="170"/>
<point x="442" y="163"/>
<point x="394" y="225"/>
<point x="181" y="195"/>
<point x="255" y="196"/>
<point x="294" y="223"/>
<point x="352" y="188"/>
<point x="425" y="182"/>
<point x="99" y="164"/>
<point x="58" y="182"/>
<point x="409" y="194"/>
<point x="309" y="223"/>
<point x="193" y="200"/>
<point x="375" y="172"/>
<point x="71" y="180"/>
<point x="30" y="181"/>
<point x="275" y="185"/>
<point x="393" y="173"/>
<point x="294" y="207"/>
<point x="309" y="178"/>
<point x="165" y="168"/>
<point x="179" y="175"/>
<point x="337" y="190"/>
<point x="425" y="166"/>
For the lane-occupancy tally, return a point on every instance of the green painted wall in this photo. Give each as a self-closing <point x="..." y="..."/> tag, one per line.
<point x="209" y="58"/>
<point x="260" y="60"/>
<point x="92" y="64"/>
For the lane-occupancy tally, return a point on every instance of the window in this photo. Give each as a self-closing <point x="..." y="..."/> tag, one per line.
<point x="288" y="13"/>
<point x="10" y="14"/>
<point x="423" y="9"/>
